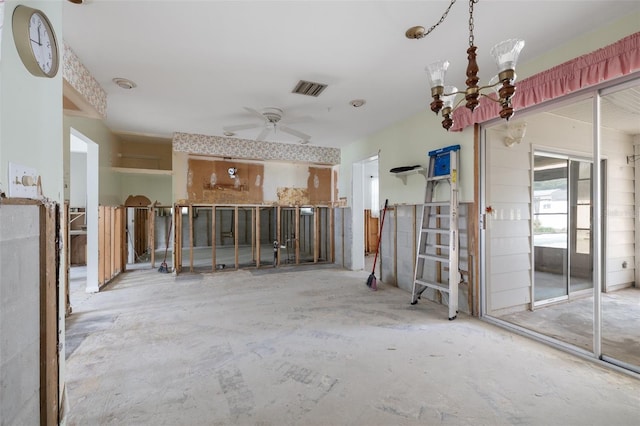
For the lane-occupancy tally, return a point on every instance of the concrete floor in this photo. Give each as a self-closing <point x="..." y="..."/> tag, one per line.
<point x="314" y="346"/>
<point x="572" y="322"/>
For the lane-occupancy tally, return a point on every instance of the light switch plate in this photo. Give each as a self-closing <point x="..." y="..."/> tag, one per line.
<point x="23" y="181"/>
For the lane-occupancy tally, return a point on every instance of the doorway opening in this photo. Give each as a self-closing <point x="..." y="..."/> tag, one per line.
<point x="562" y="227"/>
<point x="83" y="216"/>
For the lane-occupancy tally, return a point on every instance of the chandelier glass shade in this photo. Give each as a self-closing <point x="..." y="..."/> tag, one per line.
<point x="505" y="55"/>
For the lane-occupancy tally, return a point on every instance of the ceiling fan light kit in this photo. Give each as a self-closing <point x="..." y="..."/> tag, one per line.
<point x="504" y="53"/>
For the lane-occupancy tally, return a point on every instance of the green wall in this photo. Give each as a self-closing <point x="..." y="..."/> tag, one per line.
<point x="94" y="129"/>
<point x="30" y="110"/>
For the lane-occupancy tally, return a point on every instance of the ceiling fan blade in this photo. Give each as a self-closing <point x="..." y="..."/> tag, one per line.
<point x="301" y="135"/>
<point x="242" y="127"/>
<point x="298" y="119"/>
<point x="263" y="134"/>
<point x="254" y="112"/>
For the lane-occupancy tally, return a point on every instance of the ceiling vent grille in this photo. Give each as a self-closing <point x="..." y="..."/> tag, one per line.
<point x="309" y="88"/>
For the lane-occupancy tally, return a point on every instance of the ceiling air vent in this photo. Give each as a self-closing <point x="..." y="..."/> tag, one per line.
<point x="309" y="88"/>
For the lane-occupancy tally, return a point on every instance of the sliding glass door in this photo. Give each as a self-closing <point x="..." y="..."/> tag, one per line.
<point x="561" y="203"/>
<point x="547" y="268"/>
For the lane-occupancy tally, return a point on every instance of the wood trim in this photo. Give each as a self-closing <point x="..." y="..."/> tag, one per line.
<point x="177" y="238"/>
<point x="152" y="235"/>
<point x="343" y="250"/>
<point x="413" y="241"/>
<point x="395" y="244"/>
<point x="49" y="280"/>
<point x="101" y="246"/>
<point x="118" y="239"/>
<point x="190" y="213"/>
<point x="297" y="234"/>
<point x="213" y="238"/>
<point x="278" y="234"/>
<point x="332" y="228"/>
<point x="113" y="242"/>
<point x="316" y="235"/>
<point x="236" y="228"/>
<point x="107" y="244"/>
<point x="66" y="244"/>
<point x="257" y="236"/>
<point x="20" y="202"/>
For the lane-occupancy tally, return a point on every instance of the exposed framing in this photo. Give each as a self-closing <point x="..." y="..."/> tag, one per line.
<point x="323" y="235"/>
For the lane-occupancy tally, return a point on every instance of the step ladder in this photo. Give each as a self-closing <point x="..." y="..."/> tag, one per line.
<point x="437" y="253"/>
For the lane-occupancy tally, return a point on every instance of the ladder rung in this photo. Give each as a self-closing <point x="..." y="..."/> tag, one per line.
<point x="436" y="178"/>
<point x="437" y="286"/>
<point x="436" y="230"/>
<point x="437" y="258"/>
<point x="438" y="246"/>
<point x="437" y="203"/>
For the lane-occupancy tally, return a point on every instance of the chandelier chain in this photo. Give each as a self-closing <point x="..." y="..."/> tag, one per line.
<point x="471" y="37"/>
<point x="442" y="18"/>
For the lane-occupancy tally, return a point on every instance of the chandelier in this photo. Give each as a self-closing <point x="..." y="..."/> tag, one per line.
<point x="504" y="53"/>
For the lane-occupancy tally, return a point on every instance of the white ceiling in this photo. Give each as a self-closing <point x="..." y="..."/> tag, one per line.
<point x="198" y="63"/>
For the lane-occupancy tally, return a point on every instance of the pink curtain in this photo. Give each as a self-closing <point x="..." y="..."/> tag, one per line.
<point x="617" y="59"/>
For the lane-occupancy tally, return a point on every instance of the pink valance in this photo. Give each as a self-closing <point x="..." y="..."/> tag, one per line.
<point x="617" y="59"/>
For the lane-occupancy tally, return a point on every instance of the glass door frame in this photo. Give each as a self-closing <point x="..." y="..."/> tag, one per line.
<point x="571" y="222"/>
<point x="598" y="199"/>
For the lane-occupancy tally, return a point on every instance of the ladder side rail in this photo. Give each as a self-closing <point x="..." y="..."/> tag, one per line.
<point x="453" y="238"/>
<point x="422" y="237"/>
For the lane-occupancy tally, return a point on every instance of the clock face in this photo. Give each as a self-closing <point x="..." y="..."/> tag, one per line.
<point x="35" y="41"/>
<point x="41" y="43"/>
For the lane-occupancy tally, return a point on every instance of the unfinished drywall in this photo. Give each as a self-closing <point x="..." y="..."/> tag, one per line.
<point x="20" y="315"/>
<point x="224" y="182"/>
<point x="221" y="181"/>
<point x="319" y="185"/>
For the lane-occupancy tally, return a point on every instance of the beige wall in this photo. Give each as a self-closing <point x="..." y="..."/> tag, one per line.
<point x="141" y="155"/>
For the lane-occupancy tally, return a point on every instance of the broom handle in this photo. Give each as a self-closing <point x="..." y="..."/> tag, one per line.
<point x="384" y="213"/>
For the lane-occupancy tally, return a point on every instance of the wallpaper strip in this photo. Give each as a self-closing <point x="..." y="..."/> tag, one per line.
<point x="251" y="149"/>
<point x="81" y="79"/>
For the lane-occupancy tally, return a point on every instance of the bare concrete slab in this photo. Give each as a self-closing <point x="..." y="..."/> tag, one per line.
<point x="316" y="347"/>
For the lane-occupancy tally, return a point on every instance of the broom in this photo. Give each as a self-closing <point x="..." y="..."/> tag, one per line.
<point x="371" y="281"/>
<point x="163" y="266"/>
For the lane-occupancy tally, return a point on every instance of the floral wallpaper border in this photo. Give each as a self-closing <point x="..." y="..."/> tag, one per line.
<point x="250" y="149"/>
<point x="81" y="79"/>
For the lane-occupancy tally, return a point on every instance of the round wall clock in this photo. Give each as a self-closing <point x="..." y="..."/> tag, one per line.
<point x="35" y="41"/>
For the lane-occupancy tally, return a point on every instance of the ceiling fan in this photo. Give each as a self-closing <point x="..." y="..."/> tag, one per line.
<point x="271" y="121"/>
